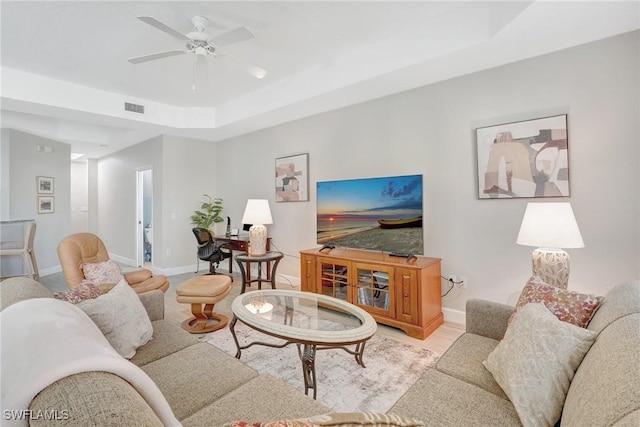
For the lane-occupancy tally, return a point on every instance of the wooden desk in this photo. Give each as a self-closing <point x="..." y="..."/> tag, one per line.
<point x="240" y="243"/>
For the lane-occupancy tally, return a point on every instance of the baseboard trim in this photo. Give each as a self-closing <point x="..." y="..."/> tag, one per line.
<point x="50" y="270"/>
<point x="454" y="316"/>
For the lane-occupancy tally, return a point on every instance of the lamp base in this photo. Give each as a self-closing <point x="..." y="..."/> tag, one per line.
<point x="552" y="266"/>
<point x="257" y="240"/>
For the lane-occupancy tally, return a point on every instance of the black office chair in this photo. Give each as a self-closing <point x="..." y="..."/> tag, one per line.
<point x="209" y="250"/>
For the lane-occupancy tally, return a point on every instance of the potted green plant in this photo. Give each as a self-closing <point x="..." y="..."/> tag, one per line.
<point x="209" y="213"/>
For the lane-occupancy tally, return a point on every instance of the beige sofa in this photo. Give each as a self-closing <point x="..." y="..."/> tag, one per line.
<point x="604" y="392"/>
<point x="205" y="386"/>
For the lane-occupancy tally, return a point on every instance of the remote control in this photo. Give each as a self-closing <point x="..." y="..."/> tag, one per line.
<point x="402" y="255"/>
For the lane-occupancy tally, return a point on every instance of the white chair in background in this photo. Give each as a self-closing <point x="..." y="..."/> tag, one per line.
<point x="24" y="248"/>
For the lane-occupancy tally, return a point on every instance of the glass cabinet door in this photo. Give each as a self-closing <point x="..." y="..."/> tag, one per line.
<point x="334" y="279"/>
<point x="374" y="289"/>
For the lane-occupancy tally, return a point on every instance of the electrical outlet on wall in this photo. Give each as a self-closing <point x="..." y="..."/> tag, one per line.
<point x="459" y="281"/>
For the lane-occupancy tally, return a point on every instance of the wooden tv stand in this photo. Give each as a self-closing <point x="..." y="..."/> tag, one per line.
<point x="399" y="292"/>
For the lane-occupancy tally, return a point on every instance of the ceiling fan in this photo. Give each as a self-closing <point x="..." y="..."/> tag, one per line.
<point x="201" y="44"/>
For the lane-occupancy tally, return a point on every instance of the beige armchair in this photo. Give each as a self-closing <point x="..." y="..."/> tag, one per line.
<point x="83" y="248"/>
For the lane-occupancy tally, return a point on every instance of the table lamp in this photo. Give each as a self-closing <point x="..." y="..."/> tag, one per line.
<point x="550" y="226"/>
<point x="257" y="213"/>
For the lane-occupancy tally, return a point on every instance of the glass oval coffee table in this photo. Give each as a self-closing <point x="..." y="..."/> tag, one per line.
<point x="311" y="321"/>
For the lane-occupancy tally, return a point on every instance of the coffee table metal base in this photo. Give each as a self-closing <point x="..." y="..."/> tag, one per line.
<point x="306" y="353"/>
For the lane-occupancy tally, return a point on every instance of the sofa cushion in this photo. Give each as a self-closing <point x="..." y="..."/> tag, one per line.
<point x="622" y="300"/>
<point x="93" y="399"/>
<point x="441" y="400"/>
<point x="168" y="338"/>
<point x="197" y="376"/>
<point x="606" y="386"/>
<point x="99" y="273"/>
<point x="16" y="289"/>
<point x="463" y="360"/>
<point x="121" y="317"/>
<point x="535" y="363"/>
<point x="259" y="399"/>
<point x="568" y="306"/>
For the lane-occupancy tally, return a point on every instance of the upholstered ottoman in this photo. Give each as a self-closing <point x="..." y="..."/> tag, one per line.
<point x="203" y="292"/>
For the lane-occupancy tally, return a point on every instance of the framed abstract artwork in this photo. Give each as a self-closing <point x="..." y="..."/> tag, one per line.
<point x="46" y="204"/>
<point x="292" y="178"/>
<point x="524" y="159"/>
<point x="44" y="184"/>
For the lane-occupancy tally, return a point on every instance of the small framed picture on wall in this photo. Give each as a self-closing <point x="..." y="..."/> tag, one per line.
<point x="44" y="184"/>
<point x="46" y="204"/>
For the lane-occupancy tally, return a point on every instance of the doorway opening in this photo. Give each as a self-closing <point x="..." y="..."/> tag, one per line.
<point x="144" y="217"/>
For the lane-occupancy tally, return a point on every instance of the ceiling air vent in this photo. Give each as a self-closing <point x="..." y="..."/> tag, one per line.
<point x="135" y="108"/>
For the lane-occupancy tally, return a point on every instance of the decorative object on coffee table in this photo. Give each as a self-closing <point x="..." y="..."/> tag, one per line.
<point x="550" y="226"/>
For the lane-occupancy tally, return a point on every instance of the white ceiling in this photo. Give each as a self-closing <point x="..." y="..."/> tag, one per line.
<point x="65" y="73"/>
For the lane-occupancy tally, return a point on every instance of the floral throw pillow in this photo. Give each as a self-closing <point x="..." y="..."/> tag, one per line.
<point x="83" y="292"/>
<point x="279" y="423"/>
<point x="568" y="306"/>
<point x="337" y="419"/>
<point x="100" y="273"/>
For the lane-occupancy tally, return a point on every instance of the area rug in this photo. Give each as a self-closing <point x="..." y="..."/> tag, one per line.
<point x="343" y="385"/>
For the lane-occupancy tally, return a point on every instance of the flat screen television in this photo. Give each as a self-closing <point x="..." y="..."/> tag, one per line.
<point x="382" y="214"/>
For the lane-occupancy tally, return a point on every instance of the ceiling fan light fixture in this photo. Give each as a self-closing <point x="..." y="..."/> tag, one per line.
<point x="201" y="51"/>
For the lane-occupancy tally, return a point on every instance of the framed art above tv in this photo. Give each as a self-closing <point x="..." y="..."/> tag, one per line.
<point x="382" y="213"/>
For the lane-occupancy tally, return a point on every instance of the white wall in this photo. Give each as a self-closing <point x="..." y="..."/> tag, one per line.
<point x="25" y="164"/>
<point x="79" y="197"/>
<point x="117" y="197"/>
<point x="183" y="170"/>
<point x="5" y="177"/>
<point x="92" y="196"/>
<point x="188" y="174"/>
<point x="431" y="131"/>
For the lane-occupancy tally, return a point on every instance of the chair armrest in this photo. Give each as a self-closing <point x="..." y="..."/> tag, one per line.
<point x="487" y="318"/>
<point x="137" y="276"/>
<point x="153" y="302"/>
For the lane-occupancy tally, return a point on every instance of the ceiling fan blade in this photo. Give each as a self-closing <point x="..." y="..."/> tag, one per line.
<point x="233" y="36"/>
<point x="253" y="70"/>
<point x="154" y="56"/>
<point x="163" y="27"/>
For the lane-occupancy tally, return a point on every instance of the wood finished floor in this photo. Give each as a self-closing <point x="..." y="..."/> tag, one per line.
<point x="439" y="341"/>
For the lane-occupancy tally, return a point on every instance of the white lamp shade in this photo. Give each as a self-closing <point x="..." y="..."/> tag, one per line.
<point x="257" y="212"/>
<point x="550" y="225"/>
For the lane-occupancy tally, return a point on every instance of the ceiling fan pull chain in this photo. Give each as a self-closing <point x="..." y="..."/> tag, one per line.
<point x="195" y="58"/>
